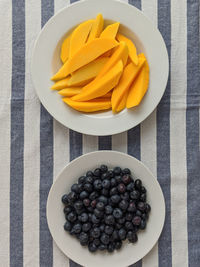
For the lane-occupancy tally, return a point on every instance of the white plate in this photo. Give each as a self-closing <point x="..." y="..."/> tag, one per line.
<point x="45" y="62"/>
<point x="130" y="253"/>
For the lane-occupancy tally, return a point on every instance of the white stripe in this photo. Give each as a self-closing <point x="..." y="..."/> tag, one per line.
<point x="119" y="142"/>
<point x="178" y="133"/>
<point x="61" y="156"/>
<point x="31" y="143"/>
<point x="5" y="92"/>
<point x="148" y="135"/>
<point x="90" y="143"/>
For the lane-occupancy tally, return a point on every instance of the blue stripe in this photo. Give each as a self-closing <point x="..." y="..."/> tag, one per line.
<point x="105" y="142"/>
<point x="133" y="137"/>
<point x="192" y="132"/>
<point x="17" y="133"/>
<point x="163" y="141"/>
<point x="46" y="162"/>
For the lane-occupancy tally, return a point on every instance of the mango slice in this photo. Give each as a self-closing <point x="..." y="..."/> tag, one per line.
<point x="121" y="53"/>
<point x="97" y="28"/>
<point x="108" y="95"/>
<point x="61" y="84"/>
<point x="110" y="31"/>
<point x="139" y="87"/>
<point x="89" y="106"/>
<point x="87" y="72"/>
<point x="131" y="47"/>
<point x="70" y="91"/>
<point x="64" y="53"/>
<point x="129" y="74"/>
<point x="79" y="36"/>
<point x="85" y="55"/>
<point x="122" y="103"/>
<point x="100" y="87"/>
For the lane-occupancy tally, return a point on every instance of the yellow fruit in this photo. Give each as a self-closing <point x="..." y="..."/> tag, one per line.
<point x="64" y="53"/>
<point x="97" y="28"/>
<point x="110" y="31"/>
<point x="70" y="91"/>
<point x="61" y="84"/>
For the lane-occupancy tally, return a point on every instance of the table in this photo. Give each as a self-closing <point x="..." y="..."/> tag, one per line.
<point x="34" y="147"/>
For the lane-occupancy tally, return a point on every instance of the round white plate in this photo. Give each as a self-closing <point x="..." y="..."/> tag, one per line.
<point x="130" y="253"/>
<point x="45" y="62"/>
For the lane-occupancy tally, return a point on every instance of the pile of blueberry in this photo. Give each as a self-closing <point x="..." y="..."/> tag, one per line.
<point x="106" y="207"/>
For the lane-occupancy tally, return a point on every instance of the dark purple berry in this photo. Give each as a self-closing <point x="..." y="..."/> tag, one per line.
<point x="129" y="216"/>
<point x="148" y="208"/>
<point x="97" y="185"/>
<point x="92" y="247"/>
<point x="113" y="182"/>
<point x="93" y="195"/>
<point x="110" y="220"/>
<point x="132" y="207"/>
<point x="106" y="184"/>
<point x="111" y="247"/>
<point x="97" y="172"/>
<point x="77" y="228"/>
<point x="123" y="205"/>
<point x="105" y="239"/>
<point x="113" y="191"/>
<point x="117" y="170"/>
<point x="95" y="233"/>
<point x="130" y="187"/>
<point x="98" y="213"/>
<point x="115" y="199"/>
<point x="129" y="225"/>
<point x="132" y="237"/>
<point x="143" y="189"/>
<point x="109" y="229"/>
<point x="121" y="220"/>
<point x="121" y="188"/>
<point x="136" y="220"/>
<point x="118" y="245"/>
<point x="118" y="179"/>
<point x="143" y="224"/>
<point x="111" y="174"/>
<point x="88" y="187"/>
<point x="81" y="180"/>
<point x="103" y="168"/>
<point x="97" y="242"/>
<point x="102" y="247"/>
<point x="117" y="213"/>
<point x="67" y="226"/>
<point x="138" y="213"/>
<point x="71" y="217"/>
<point x="126" y="179"/>
<point x="86" y="202"/>
<point x="65" y="199"/>
<point x="102" y="227"/>
<point x="103" y="199"/>
<point x="89" y="179"/>
<point x="93" y="203"/>
<point x="78" y="205"/>
<point x="95" y="220"/>
<point x="126" y="171"/>
<point x="105" y="192"/>
<point x="122" y="234"/>
<point x="108" y="210"/>
<point x="100" y="206"/>
<point x="83" y="195"/>
<point x="141" y="206"/>
<point x="89" y="173"/>
<point x="75" y="188"/>
<point x="143" y="197"/>
<point x="67" y="209"/>
<point x="83" y="217"/>
<point x="134" y="195"/>
<point x="86" y="227"/>
<point x="138" y="184"/>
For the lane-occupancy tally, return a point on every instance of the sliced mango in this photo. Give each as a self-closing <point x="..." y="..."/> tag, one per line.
<point x="87" y="72"/>
<point x="121" y="53"/>
<point x="79" y="36"/>
<point x="110" y="31"/>
<point x="61" y="84"/>
<point x="70" y="91"/>
<point x="97" y="28"/>
<point x="108" y="95"/>
<point x="100" y="87"/>
<point x="64" y="53"/>
<point x="89" y="106"/>
<point x="139" y="87"/>
<point x="85" y="55"/>
<point x="131" y="47"/>
<point x="128" y="76"/>
<point x="122" y="103"/>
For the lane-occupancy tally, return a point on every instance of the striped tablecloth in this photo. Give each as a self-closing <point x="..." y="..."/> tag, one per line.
<point x="34" y="147"/>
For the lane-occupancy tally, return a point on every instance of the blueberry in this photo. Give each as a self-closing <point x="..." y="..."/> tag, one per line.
<point x="93" y="195"/>
<point x="143" y="189"/>
<point x="125" y="196"/>
<point x="86" y="202"/>
<point x="80" y="187"/>
<point x="121" y="220"/>
<point x="102" y="227"/>
<point x="83" y="195"/>
<point x="81" y="180"/>
<point x="130" y="187"/>
<point x="79" y="212"/>
<point x="71" y="217"/>
<point x="134" y="195"/>
<point x="118" y="244"/>
<point x="121" y="188"/>
<point x="105" y="192"/>
<point x="136" y="220"/>
<point x="106" y="184"/>
<point x="65" y="199"/>
<point x="88" y="187"/>
<point x="97" y="242"/>
<point x="104" y="168"/>
<point x="118" y="226"/>
<point x="89" y="180"/>
<point x="67" y="209"/>
<point x="86" y="227"/>
<point x="143" y="197"/>
<point x="92" y="247"/>
<point x="115" y="199"/>
<point x="95" y="233"/>
<point x="141" y="206"/>
<point x="97" y="184"/>
<point x="113" y="182"/>
<point x="78" y="205"/>
<point x="132" y="207"/>
<point x="117" y="213"/>
<point x="123" y="205"/>
<point x="97" y="172"/>
<point x="143" y="224"/>
<point x="138" y="213"/>
<point x="113" y="191"/>
<point x="90" y="209"/>
<point x="100" y="206"/>
<point x="114" y="236"/>
<point x="122" y="234"/>
<point x="93" y="203"/>
<point x="108" y="210"/>
<point x="102" y="247"/>
<point x="144" y="216"/>
<point x="95" y="219"/>
<point x="148" y="208"/>
<point x="129" y="216"/>
<point x="77" y="228"/>
<point x="103" y="199"/>
<point x="126" y="171"/>
<point x="105" y="239"/>
<point x="117" y="170"/>
<point x="98" y="213"/>
<point x="138" y="184"/>
<point x="109" y="230"/>
<point x="132" y="237"/>
<point x="111" y="247"/>
<point x="83" y="217"/>
<point x="126" y="179"/>
<point x="110" y="220"/>
<point x="89" y="173"/>
<point x="118" y="179"/>
<point x="67" y="226"/>
<point x="111" y="174"/>
<point x="129" y="225"/>
<point x="75" y="188"/>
